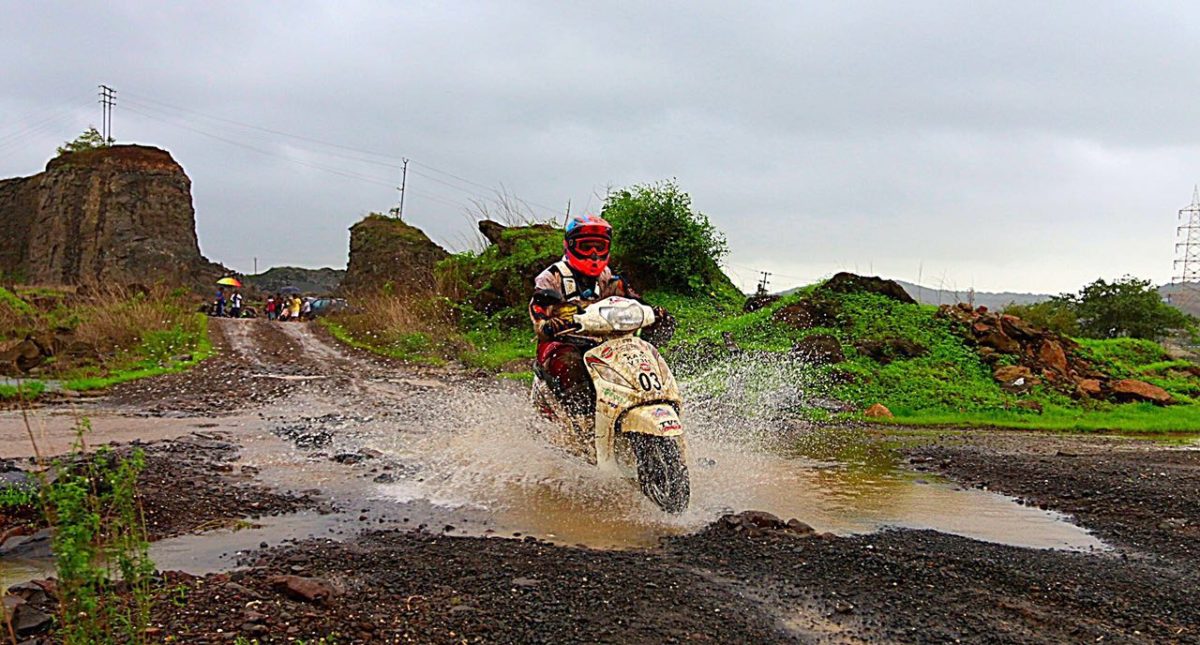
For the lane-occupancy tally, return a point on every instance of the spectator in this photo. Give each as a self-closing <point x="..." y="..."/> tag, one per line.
<point x="220" y="301"/>
<point x="270" y="307"/>
<point x="236" y="309"/>
<point x="306" y="309"/>
<point x="294" y="314"/>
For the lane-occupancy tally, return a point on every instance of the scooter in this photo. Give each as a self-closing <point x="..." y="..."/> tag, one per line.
<point x="635" y="429"/>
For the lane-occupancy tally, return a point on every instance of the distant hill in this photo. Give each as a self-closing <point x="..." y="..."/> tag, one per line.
<point x="311" y="281"/>
<point x="991" y="300"/>
<point x="1185" y="296"/>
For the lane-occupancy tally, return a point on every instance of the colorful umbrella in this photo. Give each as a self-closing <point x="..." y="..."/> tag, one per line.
<point x="230" y="282"/>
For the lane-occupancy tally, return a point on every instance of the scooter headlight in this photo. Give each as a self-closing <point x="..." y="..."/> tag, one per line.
<point x="623" y="318"/>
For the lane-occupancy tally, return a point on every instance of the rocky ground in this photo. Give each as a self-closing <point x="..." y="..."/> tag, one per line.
<point x="745" y="578"/>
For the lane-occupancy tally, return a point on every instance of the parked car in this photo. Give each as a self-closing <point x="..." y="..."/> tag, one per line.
<point x="325" y="306"/>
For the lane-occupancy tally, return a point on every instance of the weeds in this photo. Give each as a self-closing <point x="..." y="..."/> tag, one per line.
<point x="410" y="329"/>
<point x="99" y="538"/>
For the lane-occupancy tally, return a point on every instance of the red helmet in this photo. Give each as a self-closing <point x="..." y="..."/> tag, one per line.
<point x="586" y="243"/>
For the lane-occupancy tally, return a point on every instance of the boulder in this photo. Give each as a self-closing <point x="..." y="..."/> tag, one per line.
<point x="886" y="350"/>
<point x="1131" y="390"/>
<point x="852" y="283"/>
<point x="1090" y="388"/>
<point x="759" y="523"/>
<point x="809" y="313"/>
<point x="1010" y="375"/>
<point x="819" y="349"/>
<point x="313" y="590"/>
<point x="1051" y="355"/>
<point x="878" y="411"/>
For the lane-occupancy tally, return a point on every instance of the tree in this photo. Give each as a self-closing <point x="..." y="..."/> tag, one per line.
<point x="1054" y="314"/>
<point x="661" y="241"/>
<point x="1128" y="307"/>
<point x="91" y="139"/>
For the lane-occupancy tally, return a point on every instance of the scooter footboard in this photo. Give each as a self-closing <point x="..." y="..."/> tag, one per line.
<point x="658" y="419"/>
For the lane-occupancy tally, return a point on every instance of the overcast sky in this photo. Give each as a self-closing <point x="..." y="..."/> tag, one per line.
<point x="1006" y="146"/>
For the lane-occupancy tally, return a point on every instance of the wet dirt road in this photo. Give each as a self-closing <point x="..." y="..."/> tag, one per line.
<point x="368" y="450"/>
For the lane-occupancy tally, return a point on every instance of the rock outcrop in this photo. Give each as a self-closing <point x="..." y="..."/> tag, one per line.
<point x="1024" y="355"/>
<point x="116" y="215"/>
<point x="389" y="255"/>
<point x="852" y="283"/>
<point x="502" y="275"/>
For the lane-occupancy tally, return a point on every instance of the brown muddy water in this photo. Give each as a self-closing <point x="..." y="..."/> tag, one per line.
<point x="472" y="461"/>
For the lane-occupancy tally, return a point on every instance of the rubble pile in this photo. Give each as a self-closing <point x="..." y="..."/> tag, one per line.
<point x="1023" y="356"/>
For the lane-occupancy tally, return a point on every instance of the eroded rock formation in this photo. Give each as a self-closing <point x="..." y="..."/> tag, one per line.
<point x="116" y="215"/>
<point x="387" y="254"/>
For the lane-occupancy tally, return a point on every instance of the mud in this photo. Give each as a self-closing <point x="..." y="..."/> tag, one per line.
<point x="421" y="547"/>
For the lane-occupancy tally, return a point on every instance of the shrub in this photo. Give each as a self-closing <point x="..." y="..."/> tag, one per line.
<point x="661" y="242"/>
<point x="1055" y="315"/>
<point x="1128" y="307"/>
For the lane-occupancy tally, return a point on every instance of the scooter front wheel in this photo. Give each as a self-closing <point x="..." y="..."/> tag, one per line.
<point x="661" y="472"/>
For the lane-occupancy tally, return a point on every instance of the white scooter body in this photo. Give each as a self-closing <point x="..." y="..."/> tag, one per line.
<point x="635" y="390"/>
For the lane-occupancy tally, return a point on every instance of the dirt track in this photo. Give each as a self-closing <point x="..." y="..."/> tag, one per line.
<point x="717" y="585"/>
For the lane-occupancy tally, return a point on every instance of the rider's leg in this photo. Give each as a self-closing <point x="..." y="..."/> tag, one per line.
<point x="562" y="365"/>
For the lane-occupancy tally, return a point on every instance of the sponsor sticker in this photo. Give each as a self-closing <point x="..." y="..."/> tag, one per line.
<point x="606" y="353"/>
<point x="660" y="413"/>
<point x="670" y="425"/>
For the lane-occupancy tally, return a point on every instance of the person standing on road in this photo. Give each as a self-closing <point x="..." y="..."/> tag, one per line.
<point x="220" y="301"/>
<point x="236" y="310"/>
<point x="270" y="307"/>
<point x="295" y="312"/>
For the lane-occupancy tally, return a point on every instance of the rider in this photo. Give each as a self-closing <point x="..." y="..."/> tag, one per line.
<point x="581" y="277"/>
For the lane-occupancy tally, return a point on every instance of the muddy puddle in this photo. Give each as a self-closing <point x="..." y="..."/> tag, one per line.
<point x="481" y="467"/>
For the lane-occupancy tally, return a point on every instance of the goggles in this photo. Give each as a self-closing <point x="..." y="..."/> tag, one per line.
<point x="590" y="246"/>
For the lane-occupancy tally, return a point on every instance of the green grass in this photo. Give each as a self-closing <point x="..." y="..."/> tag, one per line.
<point x="153" y="357"/>
<point x="949" y="386"/>
<point x="1130" y="417"/>
<point x="415" y="347"/>
<point x="12" y="301"/>
<point x="494" y="347"/>
<point x="27" y="390"/>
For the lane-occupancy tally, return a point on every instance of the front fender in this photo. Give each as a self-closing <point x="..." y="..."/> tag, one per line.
<point x="658" y="419"/>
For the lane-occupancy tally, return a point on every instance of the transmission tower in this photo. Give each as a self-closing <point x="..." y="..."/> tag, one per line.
<point x="1187" y="252"/>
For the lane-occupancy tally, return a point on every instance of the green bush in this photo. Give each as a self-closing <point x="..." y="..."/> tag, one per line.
<point x="1055" y="315"/>
<point x="1128" y="307"/>
<point x="661" y="242"/>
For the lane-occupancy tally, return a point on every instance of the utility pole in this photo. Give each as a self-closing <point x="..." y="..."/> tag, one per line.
<point x="108" y="98"/>
<point x="1187" y="251"/>
<point x="403" y="185"/>
<point x="256" y="266"/>
<point x="762" y="284"/>
<point x="567" y="217"/>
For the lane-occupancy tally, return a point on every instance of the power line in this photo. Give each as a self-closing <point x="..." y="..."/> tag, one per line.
<point x="401" y="158"/>
<point x="343" y="173"/>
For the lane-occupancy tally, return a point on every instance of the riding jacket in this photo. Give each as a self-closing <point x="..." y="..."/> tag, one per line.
<point x="558" y="284"/>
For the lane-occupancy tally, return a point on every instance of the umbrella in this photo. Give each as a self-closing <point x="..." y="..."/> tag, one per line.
<point x="230" y="282"/>
<point x="291" y="291"/>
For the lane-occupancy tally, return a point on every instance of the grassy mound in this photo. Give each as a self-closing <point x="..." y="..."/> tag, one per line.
<point x="93" y="340"/>
<point x="946" y="382"/>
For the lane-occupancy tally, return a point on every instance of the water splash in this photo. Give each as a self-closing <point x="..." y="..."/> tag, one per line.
<point x="480" y="448"/>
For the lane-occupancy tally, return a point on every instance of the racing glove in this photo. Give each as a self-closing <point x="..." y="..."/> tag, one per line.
<point x="553" y="327"/>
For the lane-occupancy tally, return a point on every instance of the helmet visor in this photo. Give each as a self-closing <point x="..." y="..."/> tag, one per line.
<point x="591" y="246"/>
